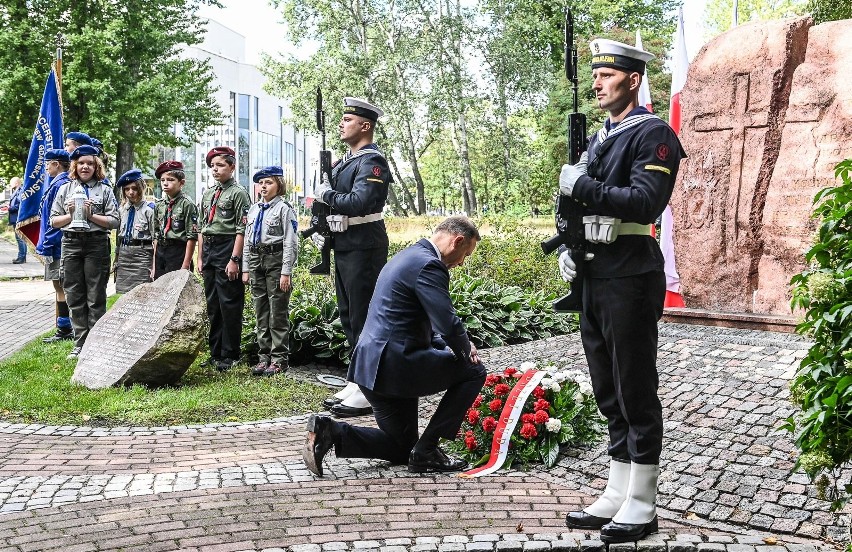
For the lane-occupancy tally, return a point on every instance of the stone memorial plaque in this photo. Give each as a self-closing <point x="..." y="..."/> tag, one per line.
<point x="765" y="117"/>
<point x="150" y="336"/>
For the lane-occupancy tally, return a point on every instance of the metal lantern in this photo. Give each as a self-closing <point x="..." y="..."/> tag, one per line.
<point x="78" y="219"/>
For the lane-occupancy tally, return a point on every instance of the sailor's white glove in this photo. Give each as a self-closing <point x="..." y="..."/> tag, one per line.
<point x="570" y="173"/>
<point x="321" y="189"/>
<point x="318" y="239"/>
<point x="567" y="266"/>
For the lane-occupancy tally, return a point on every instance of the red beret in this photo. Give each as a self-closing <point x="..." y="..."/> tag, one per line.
<point x="168" y="166"/>
<point x="219" y="150"/>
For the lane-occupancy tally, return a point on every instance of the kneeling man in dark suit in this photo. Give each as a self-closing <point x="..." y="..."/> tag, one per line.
<point x="413" y="345"/>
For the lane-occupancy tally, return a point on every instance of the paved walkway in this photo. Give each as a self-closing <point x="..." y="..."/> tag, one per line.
<point x="727" y="482"/>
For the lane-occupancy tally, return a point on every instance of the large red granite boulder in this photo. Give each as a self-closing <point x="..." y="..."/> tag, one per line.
<point x="765" y="119"/>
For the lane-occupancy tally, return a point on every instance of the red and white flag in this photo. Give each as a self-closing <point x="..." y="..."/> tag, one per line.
<point x="680" y="66"/>
<point x="644" y="90"/>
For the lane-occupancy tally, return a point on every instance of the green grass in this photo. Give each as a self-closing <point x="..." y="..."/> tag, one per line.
<point x="35" y="386"/>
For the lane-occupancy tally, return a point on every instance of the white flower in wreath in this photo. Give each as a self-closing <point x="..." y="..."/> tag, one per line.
<point x="553" y="386"/>
<point x="526" y="366"/>
<point x="559" y="377"/>
<point x="553" y="425"/>
<point x="585" y="387"/>
<point x="545" y="382"/>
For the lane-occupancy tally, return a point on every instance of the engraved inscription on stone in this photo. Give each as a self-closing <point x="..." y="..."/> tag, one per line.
<point x="151" y="335"/>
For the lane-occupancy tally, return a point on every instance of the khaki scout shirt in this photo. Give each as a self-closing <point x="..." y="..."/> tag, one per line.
<point x="279" y="225"/>
<point x="103" y="203"/>
<point x="184" y="215"/>
<point x="231" y="209"/>
<point x="143" y="221"/>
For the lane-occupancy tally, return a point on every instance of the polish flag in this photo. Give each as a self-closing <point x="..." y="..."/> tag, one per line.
<point x="644" y="90"/>
<point x="680" y="65"/>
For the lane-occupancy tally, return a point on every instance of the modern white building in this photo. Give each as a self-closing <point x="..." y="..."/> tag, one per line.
<point x="251" y="125"/>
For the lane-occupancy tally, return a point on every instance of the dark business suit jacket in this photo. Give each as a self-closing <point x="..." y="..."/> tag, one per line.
<point x="413" y="343"/>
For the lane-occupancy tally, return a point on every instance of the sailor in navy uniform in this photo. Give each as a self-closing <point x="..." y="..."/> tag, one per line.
<point x="625" y="181"/>
<point x="357" y="195"/>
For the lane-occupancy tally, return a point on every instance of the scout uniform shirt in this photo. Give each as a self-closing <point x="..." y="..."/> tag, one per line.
<point x="275" y="228"/>
<point x="137" y="224"/>
<point x="175" y="219"/>
<point x="103" y="203"/>
<point x="224" y="208"/>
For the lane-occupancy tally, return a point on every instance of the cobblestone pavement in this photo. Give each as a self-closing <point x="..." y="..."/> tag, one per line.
<point x="727" y="482"/>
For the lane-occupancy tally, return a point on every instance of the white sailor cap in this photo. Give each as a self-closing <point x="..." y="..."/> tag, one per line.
<point x="618" y="55"/>
<point x="362" y="108"/>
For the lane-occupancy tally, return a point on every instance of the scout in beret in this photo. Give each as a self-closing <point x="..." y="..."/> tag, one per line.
<point x="85" y="251"/>
<point x="624" y="181"/>
<point x="357" y="196"/>
<point x="223" y="220"/>
<point x="134" y="252"/>
<point x="270" y="250"/>
<point x="49" y="246"/>
<point x="175" y="222"/>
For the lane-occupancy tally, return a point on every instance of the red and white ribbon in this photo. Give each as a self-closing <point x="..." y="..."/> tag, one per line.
<point x="509" y="418"/>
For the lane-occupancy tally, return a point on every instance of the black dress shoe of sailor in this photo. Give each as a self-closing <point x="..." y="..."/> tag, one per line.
<point x="628" y="532"/>
<point x="582" y="520"/>
<point x="343" y="411"/>
<point x="433" y="460"/>
<point x="331" y="401"/>
<point x="323" y="434"/>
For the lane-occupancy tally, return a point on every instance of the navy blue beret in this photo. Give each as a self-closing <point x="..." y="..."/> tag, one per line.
<point x="80" y="138"/>
<point x="97" y="143"/>
<point x="129" y="177"/>
<point x="84" y="150"/>
<point x="266" y="172"/>
<point x="57" y="155"/>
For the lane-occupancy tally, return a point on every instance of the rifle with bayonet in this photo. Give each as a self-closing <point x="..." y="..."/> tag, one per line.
<point x="319" y="210"/>
<point x="569" y="212"/>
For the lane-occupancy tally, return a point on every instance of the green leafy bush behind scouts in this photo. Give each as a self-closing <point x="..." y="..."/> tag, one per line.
<point x="822" y="386"/>
<point x="503" y="293"/>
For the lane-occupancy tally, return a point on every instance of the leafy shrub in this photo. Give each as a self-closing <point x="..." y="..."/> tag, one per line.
<point x="503" y="293"/>
<point x="822" y="386"/>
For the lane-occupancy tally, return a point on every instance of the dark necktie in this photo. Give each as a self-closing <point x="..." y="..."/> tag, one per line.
<point x="213" y="205"/>
<point x="258" y="223"/>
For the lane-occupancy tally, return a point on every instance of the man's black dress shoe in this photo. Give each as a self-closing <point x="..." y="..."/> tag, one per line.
<point x="433" y="460"/>
<point x="582" y="520"/>
<point x="323" y="433"/>
<point x="331" y="401"/>
<point x="343" y="411"/>
<point x="628" y="532"/>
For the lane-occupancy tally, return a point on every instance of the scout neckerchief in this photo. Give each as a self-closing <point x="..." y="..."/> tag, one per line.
<point x="258" y="222"/>
<point x="169" y="215"/>
<point x="213" y="203"/>
<point x="128" y="229"/>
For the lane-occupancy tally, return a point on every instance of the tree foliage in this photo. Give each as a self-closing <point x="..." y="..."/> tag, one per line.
<point x="718" y="14"/>
<point x="124" y="81"/>
<point x="475" y="97"/>
<point x="829" y="10"/>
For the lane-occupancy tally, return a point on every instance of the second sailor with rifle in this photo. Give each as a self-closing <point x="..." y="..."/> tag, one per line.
<point x="625" y="182"/>
<point x="356" y="195"/>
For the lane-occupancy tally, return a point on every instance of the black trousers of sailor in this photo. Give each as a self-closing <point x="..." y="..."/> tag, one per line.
<point x="355" y="275"/>
<point x="225" y="298"/>
<point x="397" y="419"/>
<point x="618" y="328"/>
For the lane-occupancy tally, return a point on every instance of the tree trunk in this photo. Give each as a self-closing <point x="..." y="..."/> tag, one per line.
<point x="409" y="200"/>
<point x="467" y="177"/>
<point x="124" y="150"/>
<point x="420" y="188"/>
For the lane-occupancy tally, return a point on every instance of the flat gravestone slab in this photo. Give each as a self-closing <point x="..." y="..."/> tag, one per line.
<point x="150" y="336"/>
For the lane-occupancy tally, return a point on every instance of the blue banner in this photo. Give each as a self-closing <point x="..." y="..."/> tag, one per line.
<point x="48" y="135"/>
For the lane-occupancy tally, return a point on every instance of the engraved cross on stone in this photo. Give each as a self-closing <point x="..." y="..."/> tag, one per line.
<point x="738" y="121"/>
